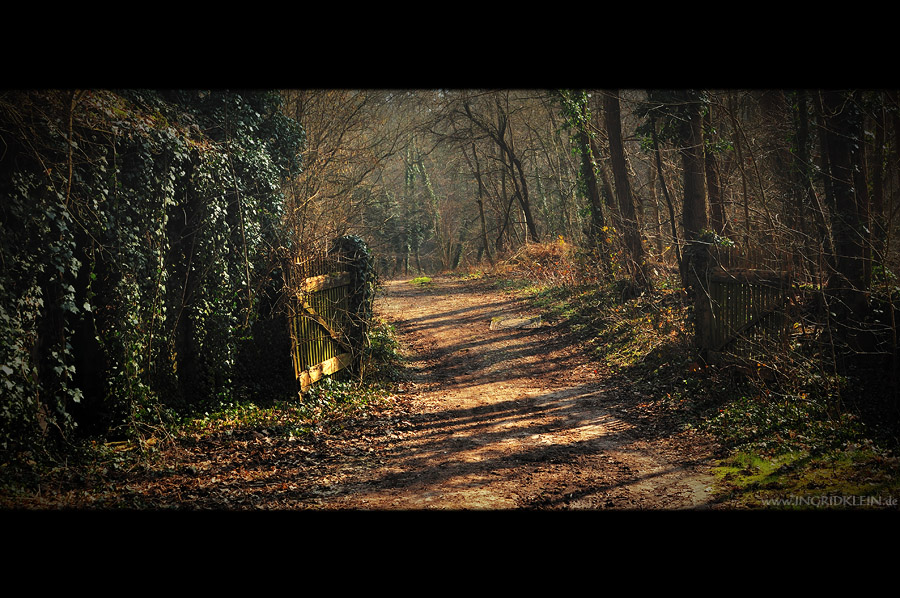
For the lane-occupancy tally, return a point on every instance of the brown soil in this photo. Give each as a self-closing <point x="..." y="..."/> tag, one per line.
<point x="515" y="418"/>
<point x="509" y="418"/>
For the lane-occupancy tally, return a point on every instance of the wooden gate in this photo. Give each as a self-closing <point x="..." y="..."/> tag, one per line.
<point x="745" y="303"/>
<point x="320" y="318"/>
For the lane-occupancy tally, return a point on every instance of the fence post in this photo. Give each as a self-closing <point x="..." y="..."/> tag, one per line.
<point x="354" y="254"/>
<point x="697" y="258"/>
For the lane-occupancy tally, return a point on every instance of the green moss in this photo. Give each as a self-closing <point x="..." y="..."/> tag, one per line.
<point x="858" y="477"/>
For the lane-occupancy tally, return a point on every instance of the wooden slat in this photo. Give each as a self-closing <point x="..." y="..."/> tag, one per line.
<point x="326" y="368"/>
<point x="313" y="314"/>
<point x="326" y="281"/>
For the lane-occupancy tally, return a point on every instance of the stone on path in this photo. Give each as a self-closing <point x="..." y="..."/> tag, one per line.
<point x="505" y="322"/>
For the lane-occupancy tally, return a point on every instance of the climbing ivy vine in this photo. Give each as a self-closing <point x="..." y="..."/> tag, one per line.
<point x="138" y="227"/>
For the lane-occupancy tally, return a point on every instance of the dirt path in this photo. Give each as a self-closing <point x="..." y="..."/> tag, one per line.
<point x="512" y="418"/>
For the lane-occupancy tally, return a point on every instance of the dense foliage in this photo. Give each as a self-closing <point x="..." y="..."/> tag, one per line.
<point x="359" y="261"/>
<point x="140" y="230"/>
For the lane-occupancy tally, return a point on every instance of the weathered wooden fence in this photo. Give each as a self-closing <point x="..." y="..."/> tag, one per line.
<point x="325" y="322"/>
<point x="744" y="305"/>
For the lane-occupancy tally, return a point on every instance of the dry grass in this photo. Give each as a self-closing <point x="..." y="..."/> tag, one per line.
<point x="554" y="264"/>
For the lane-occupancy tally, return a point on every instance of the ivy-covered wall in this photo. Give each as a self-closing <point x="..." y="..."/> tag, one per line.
<point x="140" y="231"/>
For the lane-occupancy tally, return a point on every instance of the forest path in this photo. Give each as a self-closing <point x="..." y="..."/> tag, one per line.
<point x="512" y="418"/>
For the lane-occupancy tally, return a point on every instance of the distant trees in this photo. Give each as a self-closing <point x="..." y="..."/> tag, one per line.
<point x="350" y="134"/>
<point x="471" y="147"/>
<point x="650" y="169"/>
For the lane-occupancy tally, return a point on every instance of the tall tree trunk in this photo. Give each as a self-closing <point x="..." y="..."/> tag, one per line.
<point x="861" y="189"/>
<point x="521" y="188"/>
<point x="847" y="286"/>
<point x="718" y="219"/>
<point x="732" y="112"/>
<point x="812" y="199"/>
<point x="517" y="172"/>
<point x="676" y="243"/>
<point x="695" y="220"/>
<point x="654" y="201"/>
<point x="623" y="188"/>
<point x="480" y="201"/>
<point x="589" y="173"/>
<point x="508" y="202"/>
<point x="606" y="187"/>
<point x="503" y="217"/>
<point x="877" y="198"/>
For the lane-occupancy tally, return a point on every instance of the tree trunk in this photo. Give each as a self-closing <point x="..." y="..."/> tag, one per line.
<point x="718" y="218"/>
<point x="676" y="243"/>
<point x="732" y="112"/>
<point x="522" y="193"/>
<point x="593" y="191"/>
<point x="812" y="199"/>
<point x="654" y="201"/>
<point x="520" y="185"/>
<point x="877" y="198"/>
<point x="507" y="201"/>
<point x="480" y="201"/>
<point x="863" y="199"/>
<point x="623" y="188"/>
<point x="847" y="285"/>
<point x="695" y="221"/>
<point x="694" y="217"/>
<point x="502" y="217"/>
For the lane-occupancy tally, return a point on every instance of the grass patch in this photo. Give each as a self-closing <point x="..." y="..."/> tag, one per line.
<point x="472" y="275"/>
<point x="421" y="281"/>
<point x="798" y="452"/>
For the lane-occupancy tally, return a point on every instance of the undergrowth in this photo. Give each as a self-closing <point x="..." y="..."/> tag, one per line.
<point x="324" y="409"/>
<point x="782" y="421"/>
<point x="327" y="407"/>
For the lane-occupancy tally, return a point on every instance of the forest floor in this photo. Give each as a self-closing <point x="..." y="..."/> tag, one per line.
<point x="516" y="417"/>
<point x="506" y="399"/>
<point x="488" y="419"/>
